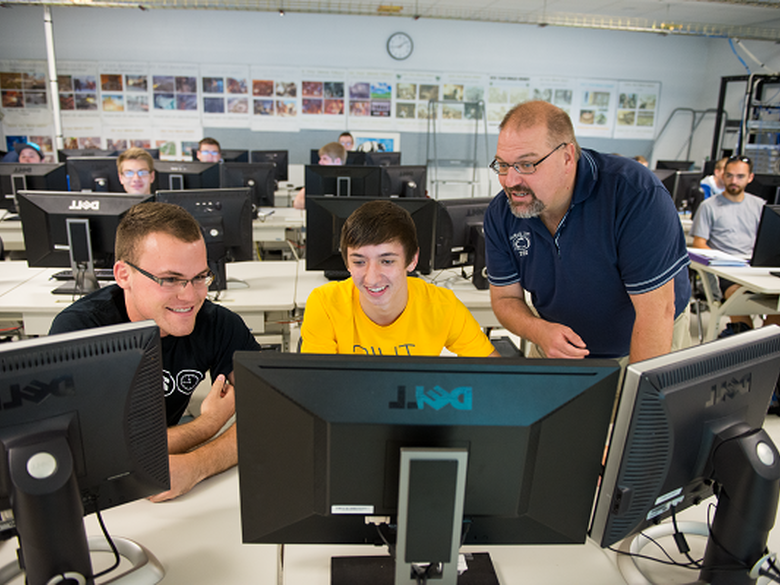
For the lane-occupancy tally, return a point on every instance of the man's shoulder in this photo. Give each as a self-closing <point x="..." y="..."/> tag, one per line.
<point x="102" y="307"/>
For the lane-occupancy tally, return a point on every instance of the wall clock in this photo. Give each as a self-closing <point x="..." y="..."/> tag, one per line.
<point x="400" y="46"/>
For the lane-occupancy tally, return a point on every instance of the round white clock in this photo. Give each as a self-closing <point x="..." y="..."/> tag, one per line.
<point x="400" y="46"/>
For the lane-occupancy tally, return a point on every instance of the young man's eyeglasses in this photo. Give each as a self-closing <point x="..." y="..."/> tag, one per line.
<point x="210" y="152"/>
<point x="171" y="283"/>
<point x="129" y="174"/>
<point x="523" y="168"/>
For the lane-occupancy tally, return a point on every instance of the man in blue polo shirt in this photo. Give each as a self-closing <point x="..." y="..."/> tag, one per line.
<point x="594" y="238"/>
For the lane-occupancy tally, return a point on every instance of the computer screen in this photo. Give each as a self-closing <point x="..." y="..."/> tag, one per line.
<point x="403" y="181"/>
<point x="458" y="231"/>
<point x="94" y="173"/>
<point x="175" y="176"/>
<point x="90" y="407"/>
<point x="767" y="187"/>
<point x="325" y="216"/>
<point x="66" y="153"/>
<point x="15" y="177"/>
<point x="766" y="250"/>
<point x="73" y="230"/>
<point x="279" y="157"/>
<point x="225" y="216"/>
<point x="316" y="459"/>
<point x="676" y="165"/>
<point x="235" y="155"/>
<point x="382" y="159"/>
<point x="343" y="181"/>
<point x="259" y="177"/>
<point x="668" y="178"/>
<point x="687" y="193"/>
<point x="689" y="424"/>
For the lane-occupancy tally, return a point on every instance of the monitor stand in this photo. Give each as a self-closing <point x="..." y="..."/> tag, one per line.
<point x="80" y="250"/>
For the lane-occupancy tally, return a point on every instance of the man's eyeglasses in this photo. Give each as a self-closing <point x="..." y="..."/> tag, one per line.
<point x="523" y="168"/>
<point x="129" y="174"/>
<point x="210" y="152"/>
<point x="171" y="283"/>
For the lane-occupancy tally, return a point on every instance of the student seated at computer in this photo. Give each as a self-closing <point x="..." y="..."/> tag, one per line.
<point x="332" y="154"/>
<point x="136" y="171"/>
<point x="209" y="150"/>
<point x="25" y="153"/>
<point x="347" y="141"/>
<point x="381" y="310"/>
<point x="162" y="274"/>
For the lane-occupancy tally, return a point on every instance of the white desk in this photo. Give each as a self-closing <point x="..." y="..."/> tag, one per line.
<point x="268" y="299"/>
<point x="759" y="293"/>
<point x="197" y="538"/>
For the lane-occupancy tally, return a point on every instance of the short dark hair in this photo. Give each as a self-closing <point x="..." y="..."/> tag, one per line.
<point x="210" y="141"/>
<point x="334" y="150"/>
<point x="153" y="217"/>
<point x="378" y="222"/>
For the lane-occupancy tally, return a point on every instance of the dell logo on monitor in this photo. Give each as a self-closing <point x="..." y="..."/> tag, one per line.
<point x="436" y="398"/>
<point x="728" y="389"/>
<point x="37" y="391"/>
<point x="84" y="205"/>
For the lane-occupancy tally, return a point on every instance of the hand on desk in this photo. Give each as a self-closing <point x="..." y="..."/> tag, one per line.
<point x="184" y="476"/>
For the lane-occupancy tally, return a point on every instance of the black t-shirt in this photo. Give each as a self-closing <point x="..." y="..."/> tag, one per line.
<point x="217" y="335"/>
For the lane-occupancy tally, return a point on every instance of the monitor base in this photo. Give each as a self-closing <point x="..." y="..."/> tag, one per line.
<point x="380" y="570"/>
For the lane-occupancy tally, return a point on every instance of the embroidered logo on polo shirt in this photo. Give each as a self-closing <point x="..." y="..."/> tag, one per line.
<point x="521" y="242"/>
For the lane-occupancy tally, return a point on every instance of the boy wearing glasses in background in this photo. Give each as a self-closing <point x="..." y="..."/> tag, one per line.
<point x="209" y="150"/>
<point x="594" y="238"/>
<point x="136" y="171"/>
<point x="161" y="274"/>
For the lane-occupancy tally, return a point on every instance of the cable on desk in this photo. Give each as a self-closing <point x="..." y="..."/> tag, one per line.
<point x="109" y="540"/>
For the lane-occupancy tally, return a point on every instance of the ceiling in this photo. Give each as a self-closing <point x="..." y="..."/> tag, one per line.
<point x="740" y="19"/>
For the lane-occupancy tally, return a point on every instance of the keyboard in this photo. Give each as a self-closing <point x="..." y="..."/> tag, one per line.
<point x="100" y="274"/>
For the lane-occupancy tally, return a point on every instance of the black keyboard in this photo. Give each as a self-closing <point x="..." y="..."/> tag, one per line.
<point x="100" y="274"/>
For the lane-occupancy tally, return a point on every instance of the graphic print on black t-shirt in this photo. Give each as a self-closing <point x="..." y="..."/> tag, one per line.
<point x="184" y="382"/>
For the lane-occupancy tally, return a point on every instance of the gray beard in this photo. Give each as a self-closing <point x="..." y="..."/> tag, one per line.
<point x="534" y="209"/>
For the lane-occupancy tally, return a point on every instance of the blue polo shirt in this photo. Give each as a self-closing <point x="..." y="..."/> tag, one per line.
<point x="620" y="236"/>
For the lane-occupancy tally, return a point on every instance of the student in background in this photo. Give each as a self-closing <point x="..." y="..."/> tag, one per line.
<point x="713" y="184"/>
<point x="347" y="141"/>
<point x="25" y="153"/>
<point x="332" y="154"/>
<point x="381" y="310"/>
<point x="209" y="150"/>
<point x="161" y="274"/>
<point x="136" y="171"/>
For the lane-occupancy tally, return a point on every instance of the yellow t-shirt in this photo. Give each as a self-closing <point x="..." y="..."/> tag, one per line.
<point x="434" y="318"/>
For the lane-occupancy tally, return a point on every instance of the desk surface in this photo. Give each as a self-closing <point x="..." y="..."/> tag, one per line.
<point x="757" y="280"/>
<point x="197" y="538"/>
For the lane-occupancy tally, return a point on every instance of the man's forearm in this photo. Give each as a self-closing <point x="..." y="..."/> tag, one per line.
<point x="182" y="438"/>
<point x="217" y="455"/>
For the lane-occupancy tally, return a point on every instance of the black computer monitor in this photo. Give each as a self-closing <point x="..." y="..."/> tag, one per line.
<point x="689" y="424"/>
<point x="279" y="157"/>
<point x="259" y="177"/>
<point x="766" y="250"/>
<point x="173" y="176"/>
<point x="325" y="216"/>
<point x="403" y="181"/>
<point x="316" y="459"/>
<point x="225" y="216"/>
<point x="382" y="159"/>
<point x="687" y="192"/>
<point x="94" y="173"/>
<point x="82" y="429"/>
<point x="15" y="177"/>
<point x="66" y="153"/>
<point x="73" y="230"/>
<point x="767" y="187"/>
<point x="343" y="181"/>
<point x="460" y="240"/>
<point x="153" y="152"/>
<point x="675" y="165"/>
<point x="234" y="155"/>
<point x="668" y="178"/>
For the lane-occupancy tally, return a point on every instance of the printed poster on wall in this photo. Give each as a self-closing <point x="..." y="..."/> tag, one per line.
<point x="503" y="92"/>
<point x="275" y="95"/>
<point x="124" y="92"/>
<point x="559" y="91"/>
<point x="174" y="93"/>
<point x="225" y="96"/>
<point x="594" y="113"/>
<point x="414" y="91"/>
<point x="462" y="101"/>
<point x="637" y="109"/>
<point x="323" y="99"/>
<point x="371" y="99"/>
<point x="26" y="112"/>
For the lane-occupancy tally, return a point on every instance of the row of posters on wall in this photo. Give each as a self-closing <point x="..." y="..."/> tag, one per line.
<point x="116" y="105"/>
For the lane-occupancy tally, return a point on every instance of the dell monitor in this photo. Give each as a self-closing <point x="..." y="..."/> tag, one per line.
<point x="73" y="230"/>
<point x="15" y="177"/>
<point x="174" y="176"/>
<point x="675" y="165"/>
<point x="403" y="181"/>
<point x="259" y="177"/>
<point x="383" y="159"/>
<point x="767" y="187"/>
<point x="66" y="153"/>
<point x="689" y="424"/>
<point x="225" y="217"/>
<point x="279" y="157"/>
<point x="322" y="462"/>
<point x="460" y="240"/>
<point x="343" y="181"/>
<point x="766" y="250"/>
<point x="234" y="155"/>
<point x="687" y="192"/>
<point x="94" y="173"/>
<point x="325" y="216"/>
<point x="82" y="429"/>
